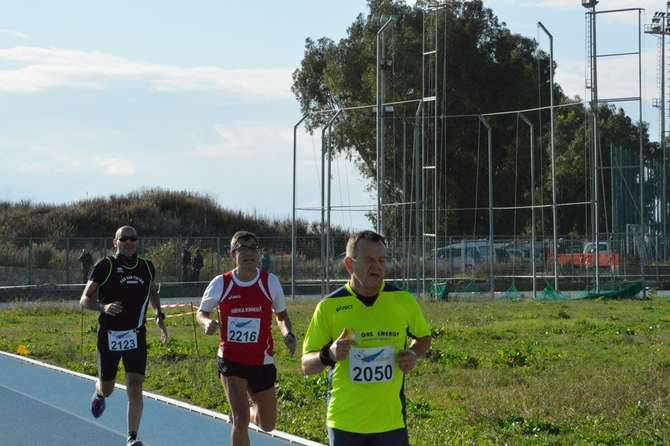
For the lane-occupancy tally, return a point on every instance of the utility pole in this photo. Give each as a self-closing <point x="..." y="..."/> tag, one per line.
<point x="659" y="26"/>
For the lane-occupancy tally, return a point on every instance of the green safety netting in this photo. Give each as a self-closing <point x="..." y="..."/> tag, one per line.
<point x="512" y="292"/>
<point x="550" y="293"/>
<point x="440" y="290"/>
<point x="471" y="287"/>
<point x="624" y="290"/>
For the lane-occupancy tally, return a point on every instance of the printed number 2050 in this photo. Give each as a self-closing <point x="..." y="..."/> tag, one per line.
<point x="368" y="374"/>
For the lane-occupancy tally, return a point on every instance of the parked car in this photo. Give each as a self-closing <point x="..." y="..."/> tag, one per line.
<point x="467" y="255"/>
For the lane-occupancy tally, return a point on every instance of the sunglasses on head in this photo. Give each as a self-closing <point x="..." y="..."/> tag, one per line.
<point x="128" y="238"/>
<point x="246" y="247"/>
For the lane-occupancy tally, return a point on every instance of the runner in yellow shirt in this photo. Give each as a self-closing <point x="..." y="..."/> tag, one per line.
<point x="370" y="334"/>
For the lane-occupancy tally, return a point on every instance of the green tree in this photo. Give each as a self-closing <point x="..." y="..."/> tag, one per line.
<point x="483" y="68"/>
<point x="478" y="55"/>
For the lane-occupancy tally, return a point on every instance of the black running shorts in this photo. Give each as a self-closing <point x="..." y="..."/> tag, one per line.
<point x="259" y="377"/>
<point x="396" y="437"/>
<point x="134" y="361"/>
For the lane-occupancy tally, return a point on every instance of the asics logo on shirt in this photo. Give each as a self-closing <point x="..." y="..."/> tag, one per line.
<point x="343" y="307"/>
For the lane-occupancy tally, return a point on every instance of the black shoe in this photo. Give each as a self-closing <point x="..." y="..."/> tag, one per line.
<point x="97" y="405"/>
<point x="134" y="443"/>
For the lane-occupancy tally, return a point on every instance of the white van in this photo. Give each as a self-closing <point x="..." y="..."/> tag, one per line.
<point x="464" y="256"/>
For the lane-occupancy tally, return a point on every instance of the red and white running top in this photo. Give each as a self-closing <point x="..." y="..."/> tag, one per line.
<point x="245" y="315"/>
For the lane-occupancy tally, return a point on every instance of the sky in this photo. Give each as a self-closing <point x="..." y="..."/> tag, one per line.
<point x="102" y="98"/>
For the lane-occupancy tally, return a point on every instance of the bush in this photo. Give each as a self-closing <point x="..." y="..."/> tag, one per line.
<point x="44" y="255"/>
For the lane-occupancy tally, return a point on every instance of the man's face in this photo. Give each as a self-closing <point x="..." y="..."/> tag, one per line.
<point x="126" y="242"/>
<point x="367" y="267"/>
<point x="245" y="253"/>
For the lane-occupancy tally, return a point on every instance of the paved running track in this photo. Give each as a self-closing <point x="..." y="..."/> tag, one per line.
<point x="48" y="406"/>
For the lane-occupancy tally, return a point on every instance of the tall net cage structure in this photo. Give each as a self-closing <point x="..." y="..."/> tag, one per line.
<point x="484" y="203"/>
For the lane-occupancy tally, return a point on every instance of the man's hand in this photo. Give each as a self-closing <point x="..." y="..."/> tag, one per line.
<point x="211" y="327"/>
<point x="160" y="321"/>
<point x="113" y="309"/>
<point x="407" y="360"/>
<point x="339" y="350"/>
<point x="291" y="342"/>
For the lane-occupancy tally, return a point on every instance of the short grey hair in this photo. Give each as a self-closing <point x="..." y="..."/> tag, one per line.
<point x="363" y="235"/>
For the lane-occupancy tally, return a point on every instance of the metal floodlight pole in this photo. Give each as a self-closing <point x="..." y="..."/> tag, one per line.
<point x="418" y="240"/>
<point x="532" y="200"/>
<point x="663" y="148"/>
<point x="490" y="169"/>
<point x="639" y="68"/>
<point x="325" y="230"/>
<point x="591" y="5"/>
<point x="379" y="124"/>
<point x="329" y="203"/>
<point x="293" y="233"/>
<point x="553" y="153"/>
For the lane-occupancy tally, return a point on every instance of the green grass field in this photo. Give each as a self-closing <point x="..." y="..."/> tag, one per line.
<point x="517" y="373"/>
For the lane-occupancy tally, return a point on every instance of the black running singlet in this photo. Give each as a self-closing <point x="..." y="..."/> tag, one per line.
<point x="127" y="284"/>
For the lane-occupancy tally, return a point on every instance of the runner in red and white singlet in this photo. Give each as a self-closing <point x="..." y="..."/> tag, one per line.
<point x="246" y="299"/>
<point x="245" y="315"/>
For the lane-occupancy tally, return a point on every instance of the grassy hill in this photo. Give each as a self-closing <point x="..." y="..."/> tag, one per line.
<point x="153" y="212"/>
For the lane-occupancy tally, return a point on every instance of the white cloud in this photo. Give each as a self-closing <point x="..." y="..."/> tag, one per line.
<point x="117" y="166"/>
<point x="260" y="142"/>
<point x="15" y="34"/>
<point x="53" y="160"/>
<point x="48" y="68"/>
<point x="617" y="77"/>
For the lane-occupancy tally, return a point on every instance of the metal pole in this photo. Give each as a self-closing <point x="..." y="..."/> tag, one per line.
<point x="293" y="232"/>
<point x="639" y="65"/>
<point x="553" y="153"/>
<point x="664" y="213"/>
<point x="404" y="273"/>
<point x="30" y="261"/>
<point x="490" y="168"/>
<point x="594" y="107"/>
<point x="324" y="229"/>
<point x="418" y="239"/>
<point x="67" y="260"/>
<point x="329" y="206"/>
<point x="532" y="201"/>
<point x="379" y="125"/>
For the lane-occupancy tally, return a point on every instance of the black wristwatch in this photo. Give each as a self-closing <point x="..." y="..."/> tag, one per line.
<point x="160" y="316"/>
<point x="324" y="356"/>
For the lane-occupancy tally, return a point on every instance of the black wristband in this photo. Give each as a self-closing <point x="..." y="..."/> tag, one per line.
<point x="289" y="334"/>
<point x="324" y="356"/>
<point x="160" y="316"/>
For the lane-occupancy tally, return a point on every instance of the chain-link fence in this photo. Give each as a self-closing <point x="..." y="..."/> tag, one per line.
<point x="35" y="261"/>
<point x="458" y="260"/>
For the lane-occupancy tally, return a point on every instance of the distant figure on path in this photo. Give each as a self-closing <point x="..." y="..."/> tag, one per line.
<point x="86" y="260"/>
<point x="198" y="263"/>
<point x="266" y="261"/>
<point x="185" y="264"/>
